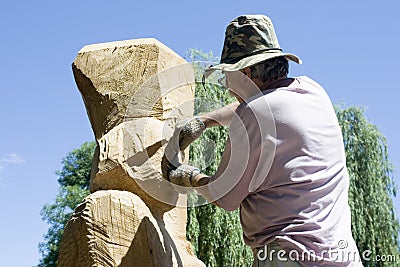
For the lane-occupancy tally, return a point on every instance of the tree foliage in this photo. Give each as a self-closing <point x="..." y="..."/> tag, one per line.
<point x="76" y="167"/>
<point x="74" y="183"/>
<point x="374" y="223"/>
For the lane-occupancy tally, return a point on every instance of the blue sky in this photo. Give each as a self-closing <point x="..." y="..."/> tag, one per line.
<point x="350" y="47"/>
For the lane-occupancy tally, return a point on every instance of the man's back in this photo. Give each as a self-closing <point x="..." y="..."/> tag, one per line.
<point x="301" y="201"/>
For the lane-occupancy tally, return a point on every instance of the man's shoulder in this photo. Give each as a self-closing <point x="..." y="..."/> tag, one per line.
<point x="301" y="86"/>
<point x="280" y="97"/>
<point x="307" y="81"/>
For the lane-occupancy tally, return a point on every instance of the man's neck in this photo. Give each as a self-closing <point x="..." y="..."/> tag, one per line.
<point x="279" y="82"/>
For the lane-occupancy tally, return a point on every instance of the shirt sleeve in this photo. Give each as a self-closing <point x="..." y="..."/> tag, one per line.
<point x="247" y="157"/>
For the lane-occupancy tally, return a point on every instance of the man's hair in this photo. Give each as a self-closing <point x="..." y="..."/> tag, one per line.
<point x="270" y="69"/>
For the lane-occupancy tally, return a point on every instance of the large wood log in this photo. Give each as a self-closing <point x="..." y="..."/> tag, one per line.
<point x="116" y="228"/>
<point x="134" y="92"/>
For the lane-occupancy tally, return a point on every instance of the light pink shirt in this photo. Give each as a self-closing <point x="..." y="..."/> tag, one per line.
<point x="284" y="166"/>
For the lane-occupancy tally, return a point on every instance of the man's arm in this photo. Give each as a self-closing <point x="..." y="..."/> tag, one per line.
<point x="189" y="176"/>
<point x="188" y="131"/>
<point x="220" y="117"/>
<point x="202" y="180"/>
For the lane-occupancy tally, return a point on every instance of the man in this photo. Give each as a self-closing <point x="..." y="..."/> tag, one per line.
<point x="284" y="162"/>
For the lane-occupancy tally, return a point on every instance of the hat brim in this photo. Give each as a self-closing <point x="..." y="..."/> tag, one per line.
<point x="252" y="60"/>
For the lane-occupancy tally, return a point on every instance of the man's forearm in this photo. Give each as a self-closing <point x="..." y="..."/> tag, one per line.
<point x="220" y="117"/>
<point x="199" y="182"/>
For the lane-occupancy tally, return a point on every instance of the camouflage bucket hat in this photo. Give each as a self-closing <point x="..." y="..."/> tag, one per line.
<point x="249" y="39"/>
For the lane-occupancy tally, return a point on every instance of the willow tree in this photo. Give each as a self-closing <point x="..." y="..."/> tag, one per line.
<point x="374" y="223"/>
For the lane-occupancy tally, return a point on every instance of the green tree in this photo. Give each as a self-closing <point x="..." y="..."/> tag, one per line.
<point x="374" y="223"/>
<point x="76" y="166"/>
<point x="74" y="183"/>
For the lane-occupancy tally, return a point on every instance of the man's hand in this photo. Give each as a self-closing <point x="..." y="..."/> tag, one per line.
<point x="168" y="166"/>
<point x="184" y="134"/>
<point x="183" y="175"/>
<point x="188" y="131"/>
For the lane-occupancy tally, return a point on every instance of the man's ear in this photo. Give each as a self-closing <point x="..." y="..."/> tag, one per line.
<point x="246" y="71"/>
